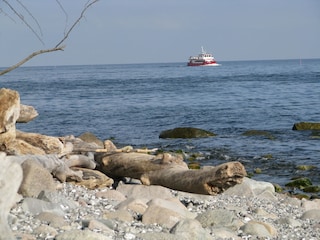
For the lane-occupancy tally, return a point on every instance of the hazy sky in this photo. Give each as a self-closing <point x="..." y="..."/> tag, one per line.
<point x="140" y="31"/>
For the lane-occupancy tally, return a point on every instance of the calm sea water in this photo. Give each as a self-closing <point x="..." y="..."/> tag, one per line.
<point x="133" y="103"/>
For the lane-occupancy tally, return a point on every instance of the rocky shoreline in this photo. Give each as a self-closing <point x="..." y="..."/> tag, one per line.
<point x="74" y="188"/>
<point x="251" y="210"/>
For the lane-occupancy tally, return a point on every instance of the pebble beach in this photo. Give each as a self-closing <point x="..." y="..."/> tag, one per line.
<point x="251" y="210"/>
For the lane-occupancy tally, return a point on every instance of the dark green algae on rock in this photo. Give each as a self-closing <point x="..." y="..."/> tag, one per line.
<point x="186" y="132"/>
<point x="306" y="126"/>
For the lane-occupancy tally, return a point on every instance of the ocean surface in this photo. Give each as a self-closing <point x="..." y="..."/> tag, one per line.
<point x="133" y="103"/>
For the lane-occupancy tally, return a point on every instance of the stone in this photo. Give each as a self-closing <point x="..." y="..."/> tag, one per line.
<point x="166" y="212"/>
<point x="142" y="191"/>
<point x="51" y="145"/>
<point x="111" y="194"/>
<point x="10" y="180"/>
<point x="100" y="226"/>
<point x="27" y="114"/>
<point x="308" y="205"/>
<point x="259" y="133"/>
<point x="53" y="219"/>
<point x="35" y="179"/>
<point x="137" y="205"/>
<point x="91" y="138"/>
<point x="306" y="126"/>
<point x="82" y="234"/>
<point x="259" y="229"/>
<point x="252" y="188"/>
<point x="120" y="215"/>
<point x="290" y="222"/>
<point x="311" y="214"/>
<point x="46" y="230"/>
<point x="20" y="147"/>
<point x="9" y="113"/>
<point x="186" y="132"/>
<point x="37" y="206"/>
<point x="159" y="236"/>
<point x="218" y="218"/>
<point x="190" y="229"/>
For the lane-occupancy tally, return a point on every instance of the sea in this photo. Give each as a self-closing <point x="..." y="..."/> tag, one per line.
<point x="133" y="103"/>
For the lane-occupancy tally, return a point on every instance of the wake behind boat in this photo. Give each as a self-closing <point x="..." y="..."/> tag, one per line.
<point x="203" y="59"/>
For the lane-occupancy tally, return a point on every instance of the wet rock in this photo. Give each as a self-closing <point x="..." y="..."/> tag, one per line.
<point x="259" y="133"/>
<point x="27" y="114"/>
<point x="299" y="183"/>
<point x="10" y="179"/>
<point x="306" y="126"/>
<point x="35" y="179"/>
<point x="186" y="132"/>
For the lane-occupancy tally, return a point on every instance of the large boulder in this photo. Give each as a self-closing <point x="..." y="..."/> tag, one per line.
<point x="186" y="132"/>
<point x="50" y="145"/>
<point x="9" y="113"/>
<point x="10" y="180"/>
<point x="306" y="126"/>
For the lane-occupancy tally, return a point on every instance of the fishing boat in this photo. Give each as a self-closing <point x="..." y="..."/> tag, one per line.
<point x="203" y="59"/>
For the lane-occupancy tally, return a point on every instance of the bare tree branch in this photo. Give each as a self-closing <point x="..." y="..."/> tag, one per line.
<point x="89" y="4"/>
<point x="29" y="57"/>
<point x="23" y="20"/>
<point x="58" y="46"/>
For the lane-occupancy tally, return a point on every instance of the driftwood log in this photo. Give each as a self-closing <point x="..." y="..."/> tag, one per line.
<point x="170" y="171"/>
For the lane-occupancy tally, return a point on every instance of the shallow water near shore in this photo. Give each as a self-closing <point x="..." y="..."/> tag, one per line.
<point x="133" y="103"/>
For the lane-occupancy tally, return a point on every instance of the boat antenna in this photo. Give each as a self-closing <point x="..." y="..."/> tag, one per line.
<point x="203" y="51"/>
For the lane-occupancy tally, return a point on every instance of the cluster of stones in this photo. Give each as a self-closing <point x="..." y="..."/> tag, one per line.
<point x="251" y="210"/>
<point x="35" y="205"/>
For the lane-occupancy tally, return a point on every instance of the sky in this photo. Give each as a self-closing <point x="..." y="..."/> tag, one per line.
<point x="159" y="31"/>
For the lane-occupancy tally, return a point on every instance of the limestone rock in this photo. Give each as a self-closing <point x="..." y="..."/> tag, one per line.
<point x="142" y="191"/>
<point x="186" y="132"/>
<point x="35" y="179"/>
<point x="20" y="147"/>
<point x="190" y="229"/>
<point x="27" y="114"/>
<point x="51" y="145"/>
<point x="9" y="113"/>
<point x="252" y="188"/>
<point x="218" y="218"/>
<point x="166" y="212"/>
<point x="311" y="214"/>
<point x="81" y="234"/>
<point x="259" y="229"/>
<point x="10" y="179"/>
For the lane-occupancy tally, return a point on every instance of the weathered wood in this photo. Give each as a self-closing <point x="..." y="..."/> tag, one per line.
<point x="171" y="171"/>
<point x="134" y="164"/>
<point x="204" y="181"/>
